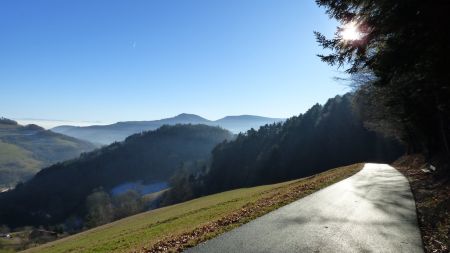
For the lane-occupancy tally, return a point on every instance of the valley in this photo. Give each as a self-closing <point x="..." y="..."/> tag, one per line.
<point x="162" y="168"/>
<point x="224" y="126"/>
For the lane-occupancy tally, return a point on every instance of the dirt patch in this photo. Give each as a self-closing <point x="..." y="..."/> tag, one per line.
<point x="269" y="201"/>
<point x="432" y="194"/>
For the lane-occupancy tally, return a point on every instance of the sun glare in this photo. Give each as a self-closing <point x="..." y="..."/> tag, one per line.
<point x="350" y="31"/>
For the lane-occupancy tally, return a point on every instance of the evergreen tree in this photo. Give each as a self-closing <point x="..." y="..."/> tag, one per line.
<point x="324" y="137"/>
<point x="403" y="55"/>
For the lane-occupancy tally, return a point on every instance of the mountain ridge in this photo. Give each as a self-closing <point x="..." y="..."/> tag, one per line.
<point x="106" y="134"/>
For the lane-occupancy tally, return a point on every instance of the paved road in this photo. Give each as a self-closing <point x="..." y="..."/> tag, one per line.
<point x="372" y="211"/>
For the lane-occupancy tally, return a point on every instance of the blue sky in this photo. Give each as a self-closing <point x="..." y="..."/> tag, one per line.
<point x="107" y="60"/>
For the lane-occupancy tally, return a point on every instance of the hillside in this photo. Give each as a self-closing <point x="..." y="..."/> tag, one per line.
<point x="107" y="134"/>
<point x="324" y="137"/>
<point x="189" y="223"/>
<point x="24" y="150"/>
<point x="61" y="190"/>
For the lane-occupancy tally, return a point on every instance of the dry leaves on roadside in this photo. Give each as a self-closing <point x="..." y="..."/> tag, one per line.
<point x="281" y="196"/>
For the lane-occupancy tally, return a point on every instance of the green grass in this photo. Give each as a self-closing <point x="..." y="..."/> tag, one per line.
<point x="16" y="163"/>
<point x="13" y="154"/>
<point x="19" y="241"/>
<point x="23" y="153"/>
<point x="143" y="230"/>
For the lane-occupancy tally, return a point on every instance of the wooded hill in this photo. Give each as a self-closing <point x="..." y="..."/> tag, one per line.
<point x="200" y="160"/>
<point x="60" y="191"/>
<point x="324" y="137"/>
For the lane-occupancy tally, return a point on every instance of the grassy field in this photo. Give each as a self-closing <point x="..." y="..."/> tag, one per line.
<point x="170" y="226"/>
<point x="19" y="241"/>
<point x="24" y="151"/>
<point x="16" y="162"/>
<point x="13" y="154"/>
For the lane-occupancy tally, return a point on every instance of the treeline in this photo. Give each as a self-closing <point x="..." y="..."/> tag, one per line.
<point x="60" y="192"/>
<point x="399" y="67"/>
<point x="7" y="121"/>
<point x="102" y="208"/>
<point x="324" y="137"/>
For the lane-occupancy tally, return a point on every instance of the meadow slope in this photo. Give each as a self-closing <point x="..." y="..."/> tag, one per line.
<point x="187" y="224"/>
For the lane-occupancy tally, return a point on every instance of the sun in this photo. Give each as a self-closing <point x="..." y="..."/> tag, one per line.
<point x="350" y="31"/>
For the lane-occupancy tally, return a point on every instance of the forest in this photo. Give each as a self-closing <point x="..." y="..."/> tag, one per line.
<point x="399" y="69"/>
<point x="324" y="137"/>
<point x="59" y="194"/>
<point x="196" y="160"/>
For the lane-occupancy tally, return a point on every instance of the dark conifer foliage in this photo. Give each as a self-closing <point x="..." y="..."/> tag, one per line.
<point x="324" y="137"/>
<point x="400" y="64"/>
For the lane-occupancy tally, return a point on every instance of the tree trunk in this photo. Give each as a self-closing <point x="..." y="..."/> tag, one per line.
<point x="443" y="134"/>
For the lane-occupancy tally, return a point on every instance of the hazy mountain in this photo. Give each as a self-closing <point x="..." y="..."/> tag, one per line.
<point x="59" y="191"/>
<point x="106" y="134"/>
<point x="26" y="149"/>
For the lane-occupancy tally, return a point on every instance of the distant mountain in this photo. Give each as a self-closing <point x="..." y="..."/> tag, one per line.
<point x="106" y="134"/>
<point x="60" y="191"/>
<point x="26" y="149"/>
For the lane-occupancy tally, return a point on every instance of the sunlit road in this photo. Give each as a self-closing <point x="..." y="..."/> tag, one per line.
<point x="372" y="211"/>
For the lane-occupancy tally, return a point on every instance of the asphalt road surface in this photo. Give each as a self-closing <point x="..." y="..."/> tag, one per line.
<point x="372" y="211"/>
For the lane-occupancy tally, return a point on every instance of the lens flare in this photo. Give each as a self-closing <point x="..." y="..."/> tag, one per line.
<point x="350" y="31"/>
